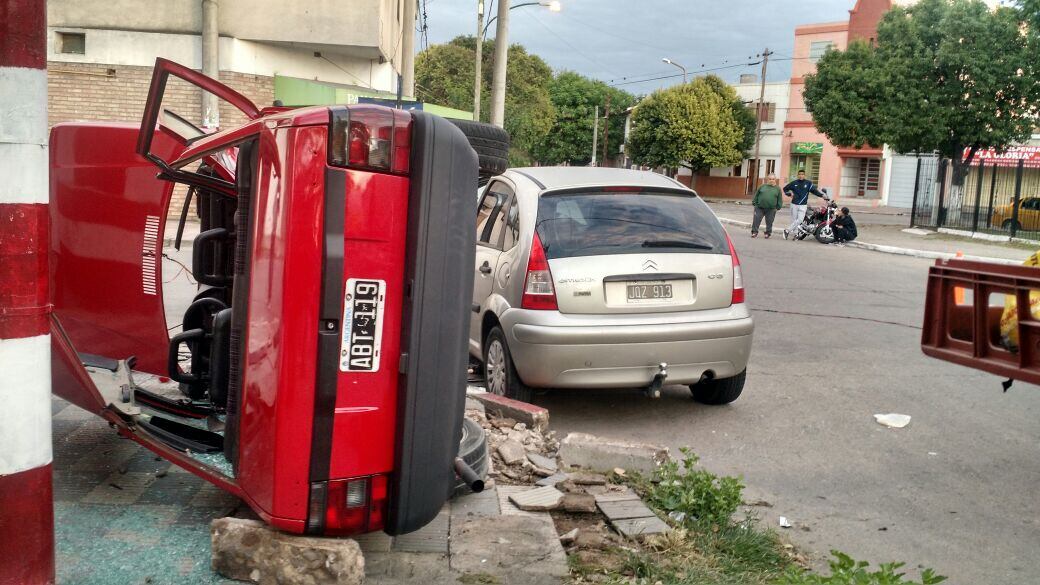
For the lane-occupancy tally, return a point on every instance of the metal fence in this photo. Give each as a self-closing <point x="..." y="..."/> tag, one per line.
<point x="1000" y="198"/>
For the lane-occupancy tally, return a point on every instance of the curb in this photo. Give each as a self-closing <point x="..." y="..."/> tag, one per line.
<point x="928" y="254"/>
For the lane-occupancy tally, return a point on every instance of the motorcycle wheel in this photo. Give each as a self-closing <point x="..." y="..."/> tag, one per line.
<point x="801" y="233"/>
<point x="824" y="234"/>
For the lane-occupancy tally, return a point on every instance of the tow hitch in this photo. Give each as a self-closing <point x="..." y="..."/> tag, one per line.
<point x="654" y="389"/>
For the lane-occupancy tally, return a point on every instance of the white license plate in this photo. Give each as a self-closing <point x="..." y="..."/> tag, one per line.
<point x="362" y="325"/>
<point x="648" y="291"/>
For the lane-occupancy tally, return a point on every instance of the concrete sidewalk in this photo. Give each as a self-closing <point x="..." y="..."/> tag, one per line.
<point x="889" y="233"/>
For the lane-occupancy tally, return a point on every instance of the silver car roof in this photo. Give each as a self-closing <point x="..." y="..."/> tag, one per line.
<point x="552" y="178"/>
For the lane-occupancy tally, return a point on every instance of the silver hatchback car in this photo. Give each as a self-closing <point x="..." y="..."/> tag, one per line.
<point x="605" y="278"/>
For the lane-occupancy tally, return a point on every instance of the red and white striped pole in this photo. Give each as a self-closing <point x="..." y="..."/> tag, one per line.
<point x="26" y="494"/>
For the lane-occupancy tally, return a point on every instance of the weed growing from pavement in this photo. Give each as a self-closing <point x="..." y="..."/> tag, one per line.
<point x="847" y="571"/>
<point x="706" y="546"/>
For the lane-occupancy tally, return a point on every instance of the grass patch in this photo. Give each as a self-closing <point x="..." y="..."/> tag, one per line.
<point x="707" y="547"/>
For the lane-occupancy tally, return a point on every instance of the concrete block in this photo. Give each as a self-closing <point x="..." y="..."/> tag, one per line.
<point x="599" y="454"/>
<point x="507" y="507"/>
<point x="582" y="503"/>
<point x="535" y="417"/>
<point x="520" y="550"/>
<point x="551" y="480"/>
<point x="543" y="462"/>
<point x="249" y="550"/>
<point x="470" y="506"/>
<point x="625" y="510"/>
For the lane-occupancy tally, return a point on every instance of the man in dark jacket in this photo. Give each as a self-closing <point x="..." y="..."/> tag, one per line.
<point x="798" y="190"/>
<point x="844" y="227"/>
<point x="767" y="200"/>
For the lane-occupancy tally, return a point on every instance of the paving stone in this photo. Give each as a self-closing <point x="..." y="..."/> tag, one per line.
<point x="374" y="542"/>
<point x="432" y="538"/>
<point x="399" y="568"/>
<point x="625" y="510"/>
<point x="580" y="503"/>
<point x="551" y="480"/>
<point x="482" y="505"/>
<point x="539" y="460"/>
<point x="535" y="556"/>
<point x="628" y="494"/>
<point x="537" y="500"/>
<point x="249" y="550"/>
<point x="535" y="417"/>
<point x="634" y="527"/>
<point x="507" y="507"/>
<point x="512" y="452"/>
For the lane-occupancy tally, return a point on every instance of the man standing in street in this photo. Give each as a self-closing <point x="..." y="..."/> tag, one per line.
<point x="767" y="201"/>
<point x="798" y="190"/>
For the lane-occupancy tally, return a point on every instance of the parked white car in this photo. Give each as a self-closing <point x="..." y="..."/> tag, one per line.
<point x="603" y="278"/>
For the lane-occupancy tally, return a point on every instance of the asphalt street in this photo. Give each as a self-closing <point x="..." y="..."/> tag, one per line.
<point x="955" y="490"/>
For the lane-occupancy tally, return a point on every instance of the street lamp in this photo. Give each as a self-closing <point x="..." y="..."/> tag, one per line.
<point x="498" y="80"/>
<point x="670" y="62"/>
<point x="553" y="6"/>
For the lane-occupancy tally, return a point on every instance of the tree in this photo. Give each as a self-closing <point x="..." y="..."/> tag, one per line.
<point x="1031" y="13"/>
<point x="575" y="97"/>
<point x="744" y="116"/>
<point x="444" y="76"/>
<point x="689" y="125"/>
<point x="949" y="76"/>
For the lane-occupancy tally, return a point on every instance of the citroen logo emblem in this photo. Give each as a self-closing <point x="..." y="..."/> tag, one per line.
<point x="649" y="265"/>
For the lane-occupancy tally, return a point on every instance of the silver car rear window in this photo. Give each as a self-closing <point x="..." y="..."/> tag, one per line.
<point x="598" y="223"/>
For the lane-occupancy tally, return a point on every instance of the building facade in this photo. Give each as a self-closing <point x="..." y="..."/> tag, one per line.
<point x="101" y="53"/>
<point x="845" y="172"/>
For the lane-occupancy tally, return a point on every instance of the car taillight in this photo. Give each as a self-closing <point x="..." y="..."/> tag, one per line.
<point x="738" y="277"/>
<point x="539" y="293"/>
<point x="373" y="138"/>
<point x="347" y="506"/>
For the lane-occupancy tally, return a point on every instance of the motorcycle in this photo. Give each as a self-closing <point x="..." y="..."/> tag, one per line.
<point x="817" y="221"/>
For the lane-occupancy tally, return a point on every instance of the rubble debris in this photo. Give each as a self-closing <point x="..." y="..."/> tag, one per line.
<point x="568" y="538"/>
<point x="542" y="462"/>
<point x="540" y="499"/>
<point x="892" y="420"/>
<point x="784" y="523"/>
<point x="512" y="452"/>
<point x="600" y="454"/>
<point x="551" y="480"/>
<point x="249" y="550"/>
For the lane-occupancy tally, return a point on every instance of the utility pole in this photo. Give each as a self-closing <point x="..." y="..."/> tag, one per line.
<point x="480" y="59"/>
<point x="606" y="130"/>
<point x="595" y="135"/>
<point x="210" y="62"/>
<point x="408" y="49"/>
<point x="498" y="82"/>
<point x="758" y="119"/>
<point x="26" y="487"/>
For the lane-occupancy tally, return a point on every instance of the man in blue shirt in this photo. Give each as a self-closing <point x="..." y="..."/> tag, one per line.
<point x="798" y="190"/>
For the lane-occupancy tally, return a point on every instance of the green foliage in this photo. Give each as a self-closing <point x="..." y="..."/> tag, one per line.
<point x="1031" y="13"/>
<point x="745" y="118"/>
<point x="847" y="571"/>
<point x="945" y="75"/>
<point x="574" y="97"/>
<point x="690" y="125"/>
<point x="444" y="75"/>
<point x="694" y="497"/>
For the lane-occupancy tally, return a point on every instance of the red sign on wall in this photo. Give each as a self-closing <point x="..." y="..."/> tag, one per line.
<point x="989" y="156"/>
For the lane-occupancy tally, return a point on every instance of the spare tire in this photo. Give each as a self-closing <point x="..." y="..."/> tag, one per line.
<point x="473" y="449"/>
<point x="491" y="144"/>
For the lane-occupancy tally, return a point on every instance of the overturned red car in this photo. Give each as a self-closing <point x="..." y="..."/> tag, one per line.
<point x="319" y="371"/>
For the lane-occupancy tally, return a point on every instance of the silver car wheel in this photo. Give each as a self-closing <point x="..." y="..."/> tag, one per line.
<point x="495" y="368"/>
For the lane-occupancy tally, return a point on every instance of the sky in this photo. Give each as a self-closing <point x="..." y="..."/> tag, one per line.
<point x="621" y="41"/>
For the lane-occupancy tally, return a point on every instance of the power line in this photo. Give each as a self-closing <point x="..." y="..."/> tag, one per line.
<point x="674" y="75"/>
<point x="566" y="42"/>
